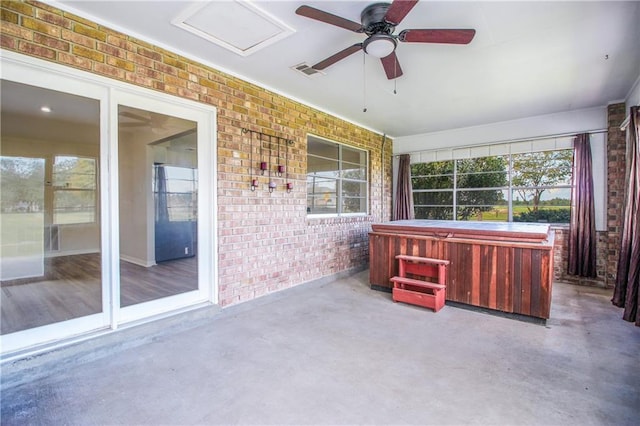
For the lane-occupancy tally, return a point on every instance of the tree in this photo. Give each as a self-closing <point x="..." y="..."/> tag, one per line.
<point x="74" y="172"/>
<point x="433" y="176"/>
<point x="484" y="172"/>
<point x="534" y="171"/>
<point x="22" y="183"/>
<point x="475" y="173"/>
<point x="74" y="183"/>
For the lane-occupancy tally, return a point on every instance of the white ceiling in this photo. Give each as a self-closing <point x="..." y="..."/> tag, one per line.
<point x="527" y="58"/>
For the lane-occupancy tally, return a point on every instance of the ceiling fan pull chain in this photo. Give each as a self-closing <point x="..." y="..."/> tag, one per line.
<point x="364" y="81"/>
<point x="395" y="80"/>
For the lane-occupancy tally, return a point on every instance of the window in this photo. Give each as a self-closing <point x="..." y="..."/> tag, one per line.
<point x="175" y="192"/>
<point x="529" y="187"/>
<point x="74" y="190"/>
<point x="336" y="178"/>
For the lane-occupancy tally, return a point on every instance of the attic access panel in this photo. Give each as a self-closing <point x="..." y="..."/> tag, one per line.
<point x="240" y="27"/>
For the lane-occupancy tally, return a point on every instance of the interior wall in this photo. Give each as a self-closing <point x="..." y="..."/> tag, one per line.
<point x="266" y="241"/>
<point x="136" y="200"/>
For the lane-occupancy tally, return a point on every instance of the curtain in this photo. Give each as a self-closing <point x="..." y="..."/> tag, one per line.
<point x="626" y="294"/>
<point x="582" y="233"/>
<point x="403" y="203"/>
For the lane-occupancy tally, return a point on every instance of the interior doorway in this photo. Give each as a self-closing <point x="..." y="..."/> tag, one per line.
<point x="158" y="170"/>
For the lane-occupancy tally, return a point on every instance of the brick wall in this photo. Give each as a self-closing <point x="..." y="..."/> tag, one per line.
<point x="561" y="259"/>
<point x="616" y="167"/>
<point x="266" y="242"/>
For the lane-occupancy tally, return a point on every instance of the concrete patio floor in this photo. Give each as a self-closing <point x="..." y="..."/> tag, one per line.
<point x="340" y="353"/>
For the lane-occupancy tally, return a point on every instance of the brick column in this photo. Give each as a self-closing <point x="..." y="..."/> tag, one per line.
<point x="616" y="165"/>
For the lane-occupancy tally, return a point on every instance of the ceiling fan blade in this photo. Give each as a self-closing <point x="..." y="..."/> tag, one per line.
<point x="437" y="36"/>
<point x="326" y="17"/>
<point x="338" y="56"/>
<point x="391" y="66"/>
<point x="398" y="10"/>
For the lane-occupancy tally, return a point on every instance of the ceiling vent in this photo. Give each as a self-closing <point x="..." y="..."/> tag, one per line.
<point x="239" y="26"/>
<point x="307" y="70"/>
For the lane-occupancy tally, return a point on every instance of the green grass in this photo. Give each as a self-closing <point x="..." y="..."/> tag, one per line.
<point x="501" y="214"/>
<point x="74" y="217"/>
<point x="22" y="234"/>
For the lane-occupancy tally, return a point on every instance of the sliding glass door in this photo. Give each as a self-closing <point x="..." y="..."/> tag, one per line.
<point x="158" y="197"/>
<point x="51" y="266"/>
<point x="106" y="205"/>
<point x="164" y="171"/>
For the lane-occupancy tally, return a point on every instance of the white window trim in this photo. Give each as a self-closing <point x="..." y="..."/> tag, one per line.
<point x="509" y="188"/>
<point x="368" y="181"/>
<point x="94" y="190"/>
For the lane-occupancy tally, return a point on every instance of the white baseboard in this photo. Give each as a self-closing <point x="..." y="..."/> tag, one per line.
<point x="136" y="261"/>
<point x="70" y="252"/>
<point x="130" y="259"/>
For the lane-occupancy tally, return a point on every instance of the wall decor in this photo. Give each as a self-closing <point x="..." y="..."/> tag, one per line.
<point x="266" y="157"/>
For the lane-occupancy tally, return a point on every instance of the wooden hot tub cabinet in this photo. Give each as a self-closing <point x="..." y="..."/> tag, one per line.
<point x="502" y="266"/>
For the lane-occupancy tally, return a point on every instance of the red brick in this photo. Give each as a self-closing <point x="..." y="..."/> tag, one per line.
<point x="109" y="71"/>
<point x="52" y="42"/>
<point x="75" y="61"/>
<point x="8" y="42"/>
<point x="36" y="50"/>
<point x="148" y="53"/>
<point x="53" y="18"/>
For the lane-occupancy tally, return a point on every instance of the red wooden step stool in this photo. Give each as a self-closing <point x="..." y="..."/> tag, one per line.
<point x="417" y="291"/>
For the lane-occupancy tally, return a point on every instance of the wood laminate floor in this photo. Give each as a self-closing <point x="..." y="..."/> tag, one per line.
<point x="71" y="288"/>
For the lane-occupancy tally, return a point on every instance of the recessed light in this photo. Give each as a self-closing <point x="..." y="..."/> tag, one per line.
<point x="45" y="109"/>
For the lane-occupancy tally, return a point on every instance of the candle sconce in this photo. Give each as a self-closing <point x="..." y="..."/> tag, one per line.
<point x="280" y="170"/>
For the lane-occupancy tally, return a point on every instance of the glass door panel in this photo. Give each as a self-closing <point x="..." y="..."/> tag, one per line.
<point x="158" y="183"/>
<point x="21" y="218"/>
<point x="50" y="257"/>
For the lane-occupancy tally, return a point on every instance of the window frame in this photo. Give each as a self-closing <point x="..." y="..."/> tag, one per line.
<point x="172" y="206"/>
<point x="509" y="189"/>
<point x="339" y="179"/>
<point x="62" y="189"/>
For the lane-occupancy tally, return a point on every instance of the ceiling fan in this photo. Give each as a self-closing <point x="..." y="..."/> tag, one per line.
<point x="379" y="21"/>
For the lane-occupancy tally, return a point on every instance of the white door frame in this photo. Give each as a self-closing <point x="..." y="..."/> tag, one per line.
<point x="205" y="120"/>
<point x="36" y="72"/>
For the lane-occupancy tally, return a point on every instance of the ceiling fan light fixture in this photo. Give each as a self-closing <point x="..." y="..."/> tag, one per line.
<point x="379" y="21"/>
<point x="380" y="45"/>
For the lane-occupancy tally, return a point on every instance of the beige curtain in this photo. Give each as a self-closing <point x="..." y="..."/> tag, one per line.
<point x="403" y="202"/>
